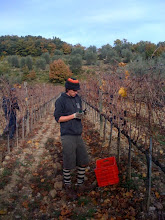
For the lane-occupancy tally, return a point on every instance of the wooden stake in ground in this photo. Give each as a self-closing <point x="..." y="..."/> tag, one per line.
<point x="149" y="173"/>
<point x="110" y="137"/>
<point x="101" y="107"/>
<point x="118" y="146"/>
<point x="129" y="155"/>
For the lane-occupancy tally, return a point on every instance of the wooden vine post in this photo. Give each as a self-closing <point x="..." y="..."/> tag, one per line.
<point x="23" y="128"/>
<point x="118" y="146"/>
<point x="110" y="136"/>
<point x="149" y="158"/>
<point x="104" y="133"/>
<point x="16" y="133"/>
<point x="101" y="107"/>
<point x="32" y="111"/>
<point x="149" y="174"/>
<point x="27" y="105"/>
<point x="129" y="155"/>
<point x="8" y="144"/>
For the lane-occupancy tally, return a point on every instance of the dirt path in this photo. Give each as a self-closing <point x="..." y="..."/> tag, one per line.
<point x="31" y="182"/>
<point x="23" y="163"/>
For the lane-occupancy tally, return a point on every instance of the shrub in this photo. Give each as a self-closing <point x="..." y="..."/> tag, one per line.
<point x="13" y="61"/>
<point x="76" y="63"/>
<point x="59" y="71"/>
<point x="41" y="64"/>
<point x="22" y="62"/>
<point x="90" y="57"/>
<point x="46" y="56"/>
<point x="31" y="75"/>
<point x="29" y="62"/>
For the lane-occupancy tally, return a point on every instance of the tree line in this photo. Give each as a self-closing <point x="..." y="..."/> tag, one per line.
<point x="37" y="45"/>
<point x="35" y="53"/>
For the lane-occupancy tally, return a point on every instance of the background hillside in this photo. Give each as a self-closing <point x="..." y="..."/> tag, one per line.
<point x="29" y="58"/>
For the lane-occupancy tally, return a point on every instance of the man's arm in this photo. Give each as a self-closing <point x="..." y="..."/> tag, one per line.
<point x="76" y="115"/>
<point x="66" y="118"/>
<point x="61" y="118"/>
<point x="58" y="113"/>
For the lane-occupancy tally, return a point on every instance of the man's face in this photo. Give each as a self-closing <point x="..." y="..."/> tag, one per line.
<point x="72" y="93"/>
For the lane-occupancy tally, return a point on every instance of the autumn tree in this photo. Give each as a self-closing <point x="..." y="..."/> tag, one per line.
<point x="51" y="48"/>
<point x="59" y="71"/>
<point x="31" y="75"/>
<point x="66" y="48"/>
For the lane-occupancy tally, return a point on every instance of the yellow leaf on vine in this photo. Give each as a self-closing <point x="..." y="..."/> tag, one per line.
<point x="122" y="92"/>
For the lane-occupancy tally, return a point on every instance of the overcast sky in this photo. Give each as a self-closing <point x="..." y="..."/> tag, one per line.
<point x="88" y="22"/>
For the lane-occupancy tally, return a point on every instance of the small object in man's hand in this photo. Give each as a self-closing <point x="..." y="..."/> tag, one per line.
<point x="78" y="115"/>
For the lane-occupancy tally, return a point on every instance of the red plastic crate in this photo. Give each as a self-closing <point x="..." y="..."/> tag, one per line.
<point x="106" y="171"/>
<point x="109" y="162"/>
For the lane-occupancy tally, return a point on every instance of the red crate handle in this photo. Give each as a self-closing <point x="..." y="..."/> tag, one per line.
<point x="107" y="161"/>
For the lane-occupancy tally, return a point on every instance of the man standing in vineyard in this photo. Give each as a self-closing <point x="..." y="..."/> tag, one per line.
<point x="9" y="107"/>
<point x="68" y="112"/>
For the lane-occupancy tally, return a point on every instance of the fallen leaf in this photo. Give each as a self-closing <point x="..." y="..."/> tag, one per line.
<point x="32" y="186"/>
<point x="157" y="195"/>
<point x="29" y="142"/>
<point x="129" y="194"/>
<point x="3" y="212"/>
<point x="43" y="208"/>
<point x="94" y="201"/>
<point x="92" y="193"/>
<point x="144" y="175"/>
<point x="161" y="151"/>
<point x="25" y="204"/>
<point x="65" y="212"/>
<point x="106" y="201"/>
<point x="35" y="174"/>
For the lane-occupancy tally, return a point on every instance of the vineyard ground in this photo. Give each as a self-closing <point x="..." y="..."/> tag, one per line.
<point x="31" y="181"/>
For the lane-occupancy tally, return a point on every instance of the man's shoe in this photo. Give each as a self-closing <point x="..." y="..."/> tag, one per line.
<point x="70" y="192"/>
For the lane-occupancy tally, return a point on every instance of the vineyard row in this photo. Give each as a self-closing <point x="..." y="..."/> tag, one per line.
<point x="34" y="103"/>
<point x="101" y="117"/>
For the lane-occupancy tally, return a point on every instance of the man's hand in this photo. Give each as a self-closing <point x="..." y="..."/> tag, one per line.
<point x="78" y="115"/>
